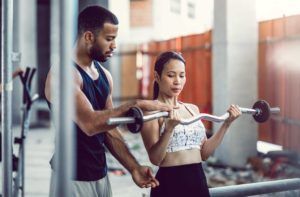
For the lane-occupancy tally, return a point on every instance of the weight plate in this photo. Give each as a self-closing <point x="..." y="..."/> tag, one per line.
<point x="264" y="111"/>
<point x="136" y="113"/>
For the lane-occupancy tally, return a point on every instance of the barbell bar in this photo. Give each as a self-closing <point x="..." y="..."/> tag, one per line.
<point x="260" y="111"/>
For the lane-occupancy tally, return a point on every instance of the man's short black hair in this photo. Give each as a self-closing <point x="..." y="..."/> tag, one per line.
<point x="92" y="19"/>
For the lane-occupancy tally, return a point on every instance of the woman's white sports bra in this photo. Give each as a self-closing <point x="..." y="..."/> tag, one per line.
<point x="186" y="137"/>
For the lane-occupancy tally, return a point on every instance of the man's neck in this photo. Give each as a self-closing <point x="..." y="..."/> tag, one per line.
<point x="81" y="58"/>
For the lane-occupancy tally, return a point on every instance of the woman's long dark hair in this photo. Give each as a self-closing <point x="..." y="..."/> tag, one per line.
<point x="160" y="62"/>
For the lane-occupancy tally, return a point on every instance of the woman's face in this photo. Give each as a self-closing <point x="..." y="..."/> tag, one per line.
<point x="172" y="79"/>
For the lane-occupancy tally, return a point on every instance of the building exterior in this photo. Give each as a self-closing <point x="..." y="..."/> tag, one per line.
<point x="160" y="20"/>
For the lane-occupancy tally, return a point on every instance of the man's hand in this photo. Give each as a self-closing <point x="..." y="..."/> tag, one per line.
<point x="153" y="105"/>
<point x="143" y="177"/>
<point x="18" y="71"/>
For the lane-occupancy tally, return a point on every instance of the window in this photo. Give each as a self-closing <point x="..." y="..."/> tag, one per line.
<point x="175" y="6"/>
<point x="191" y="10"/>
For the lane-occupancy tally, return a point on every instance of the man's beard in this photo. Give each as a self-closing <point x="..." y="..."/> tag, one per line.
<point x="96" y="54"/>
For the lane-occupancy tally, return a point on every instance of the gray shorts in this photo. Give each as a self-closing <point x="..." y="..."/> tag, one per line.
<point x="100" y="188"/>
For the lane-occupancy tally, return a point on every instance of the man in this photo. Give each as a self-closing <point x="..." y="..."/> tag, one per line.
<point x="15" y="73"/>
<point x="97" y="31"/>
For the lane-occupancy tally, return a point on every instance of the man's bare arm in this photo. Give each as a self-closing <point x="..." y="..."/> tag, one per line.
<point x="94" y="121"/>
<point x="89" y="120"/>
<point x="116" y="145"/>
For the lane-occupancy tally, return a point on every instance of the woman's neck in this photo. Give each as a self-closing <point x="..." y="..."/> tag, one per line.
<point x="168" y="100"/>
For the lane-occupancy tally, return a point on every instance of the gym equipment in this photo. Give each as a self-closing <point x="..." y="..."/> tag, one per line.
<point x="19" y="160"/>
<point x="28" y="100"/>
<point x="260" y="111"/>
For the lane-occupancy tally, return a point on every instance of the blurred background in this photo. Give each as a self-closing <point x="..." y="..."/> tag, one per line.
<point x="236" y="52"/>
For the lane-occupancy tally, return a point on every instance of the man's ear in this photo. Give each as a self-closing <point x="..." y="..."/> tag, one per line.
<point x="89" y="36"/>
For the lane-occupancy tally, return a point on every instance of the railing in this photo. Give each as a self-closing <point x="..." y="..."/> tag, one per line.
<point x="250" y="189"/>
<point x="256" y="188"/>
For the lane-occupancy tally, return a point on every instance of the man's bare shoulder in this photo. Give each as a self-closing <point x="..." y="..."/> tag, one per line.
<point x="107" y="73"/>
<point x="48" y="84"/>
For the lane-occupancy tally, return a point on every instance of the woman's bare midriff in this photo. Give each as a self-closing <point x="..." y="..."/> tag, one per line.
<point x="181" y="158"/>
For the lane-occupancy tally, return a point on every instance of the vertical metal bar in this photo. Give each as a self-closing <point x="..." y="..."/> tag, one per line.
<point x="55" y="62"/>
<point x="62" y="38"/>
<point x="25" y="127"/>
<point x="16" y="58"/>
<point x="19" y="180"/>
<point x="6" y="113"/>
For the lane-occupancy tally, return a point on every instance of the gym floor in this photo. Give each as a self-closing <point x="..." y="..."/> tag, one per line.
<point x="39" y="149"/>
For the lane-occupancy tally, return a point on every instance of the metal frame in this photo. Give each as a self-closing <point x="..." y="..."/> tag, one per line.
<point x="256" y="188"/>
<point x="28" y="100"/>
<point x="6" y="96"/>
<point x="250" y="189"/>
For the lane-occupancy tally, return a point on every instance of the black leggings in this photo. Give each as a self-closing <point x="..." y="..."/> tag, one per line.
<point x="181" y="181"/>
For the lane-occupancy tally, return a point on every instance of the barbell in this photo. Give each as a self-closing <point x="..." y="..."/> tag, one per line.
<point x="134" y="120"/>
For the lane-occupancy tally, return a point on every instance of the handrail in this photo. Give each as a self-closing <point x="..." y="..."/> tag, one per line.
<point x="256" y="188"/>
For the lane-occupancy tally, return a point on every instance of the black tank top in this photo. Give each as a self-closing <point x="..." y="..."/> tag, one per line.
<point x="91" y="160"/>
<point x="90" y="151"/>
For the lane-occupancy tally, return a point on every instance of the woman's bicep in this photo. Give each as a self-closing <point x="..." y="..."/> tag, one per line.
<point x="150" y="133"/>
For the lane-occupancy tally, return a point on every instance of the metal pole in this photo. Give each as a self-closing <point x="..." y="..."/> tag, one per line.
<point x="16" y="58"/>
<point x="6" y="113"/>
<point x="256" y="188"/>
<point x="62" y="38"/>
<point x="19" y="183"/>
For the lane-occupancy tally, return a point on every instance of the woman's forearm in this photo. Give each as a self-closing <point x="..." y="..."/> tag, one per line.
<point x="158" y="151"/>
<point x="213" y="142"/>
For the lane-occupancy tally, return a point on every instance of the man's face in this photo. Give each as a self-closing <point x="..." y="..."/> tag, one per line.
<point x="104" y="43"/>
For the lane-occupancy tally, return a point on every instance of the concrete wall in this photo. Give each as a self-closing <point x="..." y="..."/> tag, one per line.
<point x="235" y="39"/>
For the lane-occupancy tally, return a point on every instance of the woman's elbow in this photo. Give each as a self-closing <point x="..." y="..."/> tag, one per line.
<point x="155" y="161"/>
<point x="204" y="157"/>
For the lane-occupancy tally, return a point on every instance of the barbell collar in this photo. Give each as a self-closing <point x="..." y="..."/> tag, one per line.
<point x="274" y="110"/>
<point x="120" y="120"/>
<point x="248" y="110"/>
<point x="155" y="115"/>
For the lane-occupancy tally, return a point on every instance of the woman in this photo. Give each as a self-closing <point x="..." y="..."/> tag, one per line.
<point x="178" y="149"/>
